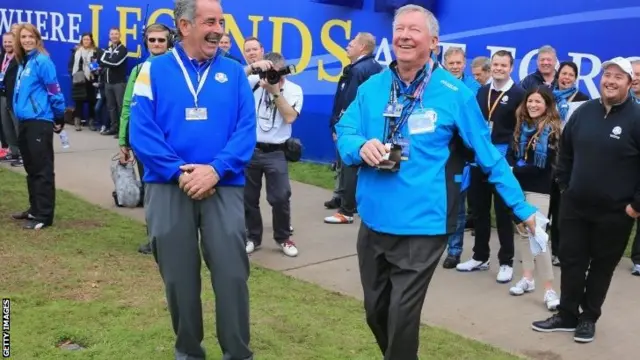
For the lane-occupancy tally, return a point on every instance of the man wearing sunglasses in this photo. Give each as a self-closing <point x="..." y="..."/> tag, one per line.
<point x="157" y="42"/>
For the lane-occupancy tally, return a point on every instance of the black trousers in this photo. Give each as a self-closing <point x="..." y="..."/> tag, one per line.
<point x="484" y="193"/>
<point x="635" y="249"/>
<point x="35" y="141"/>
<point x="554" y="216"/>
<point x="593" y="243"/>
<point x="348" y="179"/>
<point x="395" y="272"/>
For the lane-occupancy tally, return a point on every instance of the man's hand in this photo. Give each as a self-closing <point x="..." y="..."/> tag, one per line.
<point x="263" y="65"/>
<point x="125" y="155"/>
<point x="271" y="89"/>
<point x="372" y="152"/>
<point x="198" y="181"/>
<point x="57" y="128"/>
<point x="531" y="224"/>
<point x="631" y="212"/>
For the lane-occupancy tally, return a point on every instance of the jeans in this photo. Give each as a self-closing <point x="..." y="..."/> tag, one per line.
<point x="457" y="238"/>
<point x="100" y="117"/>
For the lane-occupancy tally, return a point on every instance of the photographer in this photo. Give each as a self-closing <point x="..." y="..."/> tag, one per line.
<point x="278" y="104"/>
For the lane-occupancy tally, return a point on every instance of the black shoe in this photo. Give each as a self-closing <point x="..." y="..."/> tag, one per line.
<point x="554" y="324"/>
<point x="332" y="204"/>
<point x="17" y="163"/>
<point x="23" y="216"/>
<point x="585" y="331"/>
<point x="34" y="225"/>
<point x="451" y="261"/>
<point x="290" y="230"/>
<point x="145" y="249"/>
<point x="469" y="224"/>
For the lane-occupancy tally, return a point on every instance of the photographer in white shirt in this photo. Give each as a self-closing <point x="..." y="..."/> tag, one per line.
<point x="277" y="107"/>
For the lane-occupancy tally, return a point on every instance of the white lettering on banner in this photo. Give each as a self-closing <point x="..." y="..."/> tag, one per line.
<point x="596" y="65"/>
<point x="384" y="49"/>
<point x="49" y="24"/>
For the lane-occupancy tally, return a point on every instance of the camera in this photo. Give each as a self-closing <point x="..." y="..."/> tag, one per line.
<point x="273" y="76"/>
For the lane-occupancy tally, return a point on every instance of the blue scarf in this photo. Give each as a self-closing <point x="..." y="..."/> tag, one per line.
<point x="634" y="97"/>
<point x="526" y="132"/>
<point x="562" y="100"/>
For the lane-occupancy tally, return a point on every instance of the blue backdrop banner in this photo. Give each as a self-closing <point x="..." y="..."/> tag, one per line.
<point x="313" y="36"/>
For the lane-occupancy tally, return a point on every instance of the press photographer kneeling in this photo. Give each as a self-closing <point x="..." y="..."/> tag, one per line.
<point x="278" y="104"/>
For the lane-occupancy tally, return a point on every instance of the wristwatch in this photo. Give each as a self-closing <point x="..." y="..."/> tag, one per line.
<point x="275" y="96"/>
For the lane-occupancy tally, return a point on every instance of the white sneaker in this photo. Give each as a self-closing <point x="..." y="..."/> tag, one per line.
<point x="473" y="265"/>
<point x="523" y="286"/>
<point x="636" y="270"/>
<point x="338" y="218"/>
<point x="289" y="248"/>
<point x="505" y="274"/>
<point x="551" y="299"/>
<point x="250" y="247"/>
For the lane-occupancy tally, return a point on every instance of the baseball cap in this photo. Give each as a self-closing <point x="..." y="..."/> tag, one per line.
<point x="622" y="63"/>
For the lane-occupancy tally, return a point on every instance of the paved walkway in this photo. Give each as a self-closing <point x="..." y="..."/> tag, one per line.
<point x="470" y="304"/>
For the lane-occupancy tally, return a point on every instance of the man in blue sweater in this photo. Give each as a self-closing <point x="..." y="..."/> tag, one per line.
<point x="193" y="127"/>
<point x="410" y="128"/>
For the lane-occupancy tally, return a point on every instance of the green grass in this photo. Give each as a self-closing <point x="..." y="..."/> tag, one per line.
<point x="322" y="176"/>
<point x="82" y="281"/>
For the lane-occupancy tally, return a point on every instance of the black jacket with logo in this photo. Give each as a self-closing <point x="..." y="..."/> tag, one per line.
<point x="9" y="82"/>
<point x="352" y="77"/>
<point x="114" y="61"/>
<point x="599" y="160"/>
<point x="504" y="115"/>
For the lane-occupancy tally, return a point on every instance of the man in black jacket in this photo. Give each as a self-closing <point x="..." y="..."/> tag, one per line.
<point x="545" y="75"/>
<point x="8" y="74"/>
<point x="363" y="65"/>
<point x="596" y="212"/>
<point x="114" y="61"/>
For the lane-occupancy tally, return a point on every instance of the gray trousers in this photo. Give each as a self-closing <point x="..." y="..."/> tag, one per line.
<point x="115" y="96"/>
<point x="10" y="126"/>
<point x="174" y="222"/>
<point x="274" y="167"/>
<point x="395" y="272"/>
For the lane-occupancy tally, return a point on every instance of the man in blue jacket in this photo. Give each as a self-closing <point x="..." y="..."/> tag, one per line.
<point x="410" y="128"/>
<point x="363" y="65"/>
<point x="193" y="127"/>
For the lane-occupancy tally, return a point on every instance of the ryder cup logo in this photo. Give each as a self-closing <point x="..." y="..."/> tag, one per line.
<point x="615" y="133"/>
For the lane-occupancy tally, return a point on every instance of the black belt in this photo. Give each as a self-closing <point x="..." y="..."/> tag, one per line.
<point x="265" y="147"/>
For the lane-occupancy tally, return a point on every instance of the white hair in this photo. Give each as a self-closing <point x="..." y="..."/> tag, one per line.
<point x="432" y="22"/>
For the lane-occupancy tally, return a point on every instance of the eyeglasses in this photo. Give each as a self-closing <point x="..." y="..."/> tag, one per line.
<point x="160" y="40"/>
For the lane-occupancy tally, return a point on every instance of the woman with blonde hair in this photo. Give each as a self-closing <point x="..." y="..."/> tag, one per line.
<point x="39" y="106"/>
<point x="535" y="148"/>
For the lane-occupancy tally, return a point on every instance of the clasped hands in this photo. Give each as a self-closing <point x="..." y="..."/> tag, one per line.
<point x="198" y="181"/>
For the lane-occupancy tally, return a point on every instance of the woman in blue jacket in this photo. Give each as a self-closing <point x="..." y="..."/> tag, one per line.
<point x="39" y="106"/>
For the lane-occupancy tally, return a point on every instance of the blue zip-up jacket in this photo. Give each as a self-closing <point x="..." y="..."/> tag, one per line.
<point x="471" y="83"/>
<point x="37" y="93"/>
<point x="474" y="86"/>
<point x="423" y="197"/>
<point x="164" y="140"/>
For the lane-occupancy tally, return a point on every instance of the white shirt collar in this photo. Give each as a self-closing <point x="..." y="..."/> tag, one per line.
<point x="489" y="81"/>
<point x="505" y="88"/>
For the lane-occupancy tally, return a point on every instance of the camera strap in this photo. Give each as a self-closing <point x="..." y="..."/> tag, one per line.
<point x="201" y="79"/>
<point x="416" y="98"/>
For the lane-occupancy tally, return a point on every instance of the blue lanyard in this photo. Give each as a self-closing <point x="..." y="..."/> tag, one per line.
<point x="414" y="99"/>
